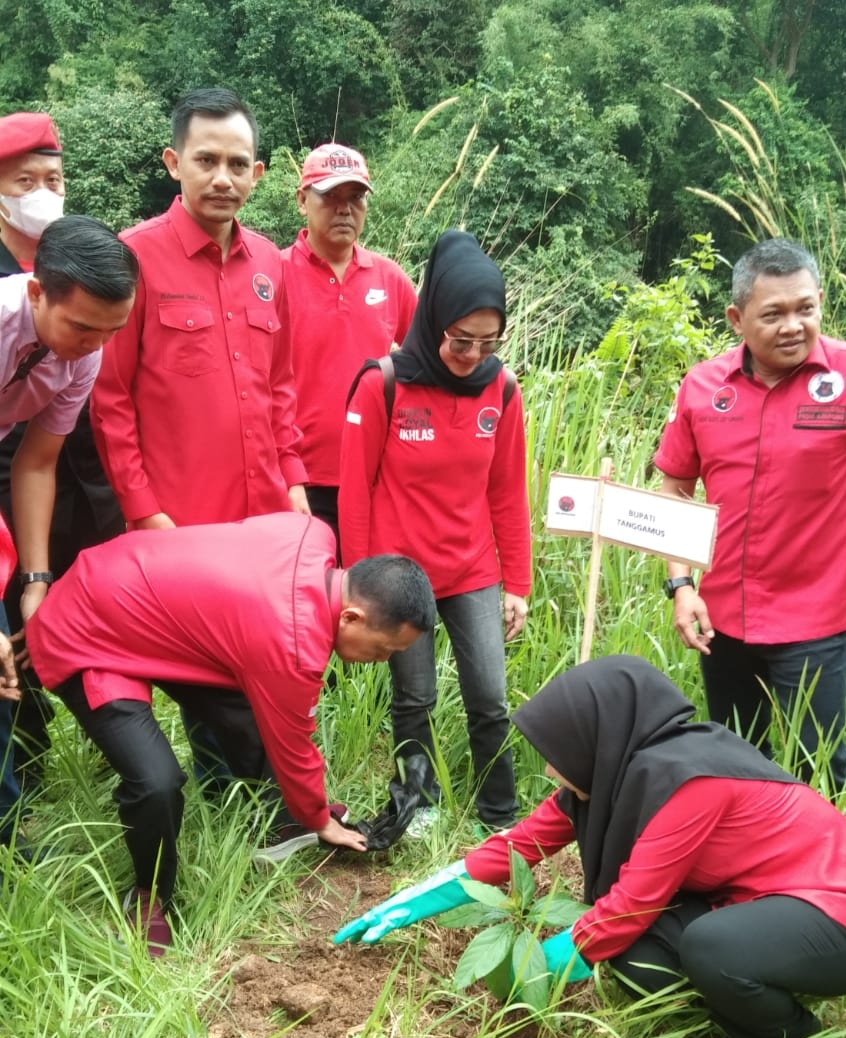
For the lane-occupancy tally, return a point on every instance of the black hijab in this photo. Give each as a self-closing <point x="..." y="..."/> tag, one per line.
<point x="459" y="279"/>
<point x="620" y="730"/>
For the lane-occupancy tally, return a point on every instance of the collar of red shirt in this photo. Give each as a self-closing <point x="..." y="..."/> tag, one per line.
<point x="361" y="256"/>
<point x="194" y="239"/>
<point x="740" y="363"/>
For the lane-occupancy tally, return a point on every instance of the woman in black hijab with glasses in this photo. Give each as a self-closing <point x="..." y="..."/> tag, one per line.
<point x="438" y="473"/>
<point x="702" y="859"/>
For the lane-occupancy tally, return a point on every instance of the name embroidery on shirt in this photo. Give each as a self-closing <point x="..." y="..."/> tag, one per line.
<point x="415" y="424"/>
<point x="823" y="416"/>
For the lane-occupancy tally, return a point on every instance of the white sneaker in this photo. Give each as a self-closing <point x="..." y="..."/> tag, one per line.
<point x="424" y="821"/>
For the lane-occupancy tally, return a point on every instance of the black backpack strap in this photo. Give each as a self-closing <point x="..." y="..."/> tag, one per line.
<point x="508" y="388"/>
<point x="386" y="365"/>
<point x="389" y="375"/>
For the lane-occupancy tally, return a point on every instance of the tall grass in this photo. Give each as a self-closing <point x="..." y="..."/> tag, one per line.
<point x="787" y="178"/>
<point x="71" y="967"/>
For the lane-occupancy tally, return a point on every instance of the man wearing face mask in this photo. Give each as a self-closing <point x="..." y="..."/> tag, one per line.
<point x="86" y="512"/>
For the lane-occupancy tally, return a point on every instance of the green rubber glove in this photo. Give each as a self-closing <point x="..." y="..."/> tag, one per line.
<point x="438" y="893"/>
<point x="562" y="957"/>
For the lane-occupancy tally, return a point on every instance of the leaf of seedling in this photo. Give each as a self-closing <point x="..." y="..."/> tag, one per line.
<point x="486" y="894"/>
<point x="500" y="980"/>
<point x="556" y="910"/>
<point x="522" y="880"/>
<point x="530" y="971"/>
<point x="474" y="914"/>
<point x="484" y="953"/>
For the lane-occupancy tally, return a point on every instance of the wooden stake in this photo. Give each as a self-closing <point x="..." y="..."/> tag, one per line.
<point x="595" y="563"/>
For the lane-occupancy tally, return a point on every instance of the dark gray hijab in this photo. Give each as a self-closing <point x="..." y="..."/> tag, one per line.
<point x="620" y="730"/>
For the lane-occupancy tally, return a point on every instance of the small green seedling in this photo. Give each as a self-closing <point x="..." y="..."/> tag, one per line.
<point x="507" y="954"/>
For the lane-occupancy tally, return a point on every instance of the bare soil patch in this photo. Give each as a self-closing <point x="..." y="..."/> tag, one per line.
<point x="319" y="990"/>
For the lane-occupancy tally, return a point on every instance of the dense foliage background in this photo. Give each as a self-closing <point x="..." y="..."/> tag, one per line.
<point x="613" y="155"/>
<point x="567" y="135"/>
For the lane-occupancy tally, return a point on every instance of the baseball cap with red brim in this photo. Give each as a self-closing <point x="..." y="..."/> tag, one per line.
<point x="333" y="164"/>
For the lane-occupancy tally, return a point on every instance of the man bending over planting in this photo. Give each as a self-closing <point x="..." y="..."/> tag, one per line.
<point x="208" y="613"/>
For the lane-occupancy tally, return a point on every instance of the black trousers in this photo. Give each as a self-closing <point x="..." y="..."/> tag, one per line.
<point x="85" y="513"/>
<point x="149" y="793"/>
<point x="734" y="671"/>
<point x="748" y="961"/>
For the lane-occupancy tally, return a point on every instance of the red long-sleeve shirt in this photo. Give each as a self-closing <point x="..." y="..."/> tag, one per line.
<point x="248" y="606"/>
<point x="194" y="408"/>
<point x="445" y="485"/>
<point x="734" y="840"/>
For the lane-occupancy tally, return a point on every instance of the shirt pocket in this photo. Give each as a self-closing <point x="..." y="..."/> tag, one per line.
<point x="262" y="325"/>
<point x="189" y="341"/>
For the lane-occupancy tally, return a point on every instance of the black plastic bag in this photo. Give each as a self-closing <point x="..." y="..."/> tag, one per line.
<point x="403" y="800"/>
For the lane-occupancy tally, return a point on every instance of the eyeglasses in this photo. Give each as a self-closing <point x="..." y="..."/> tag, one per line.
<point x="460" y="344"/>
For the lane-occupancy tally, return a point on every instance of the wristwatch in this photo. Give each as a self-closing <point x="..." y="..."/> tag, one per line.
<point x="46" y="577"/>
<point x="672" y="585"/>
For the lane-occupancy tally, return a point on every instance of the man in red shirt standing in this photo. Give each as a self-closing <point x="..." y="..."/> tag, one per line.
<point x="194" y="410"/>
<point x="764" y="427"/>
<point x="216" y="614"/>
<point x="346" y="304"/>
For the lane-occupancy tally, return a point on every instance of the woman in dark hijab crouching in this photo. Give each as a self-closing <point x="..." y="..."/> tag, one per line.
<point x="702" y="859"/>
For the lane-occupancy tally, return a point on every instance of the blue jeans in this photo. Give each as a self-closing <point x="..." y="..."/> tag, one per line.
<point x="733" y="674"/>
<point x="474" y="624"/>
<point x="10" y="791"/>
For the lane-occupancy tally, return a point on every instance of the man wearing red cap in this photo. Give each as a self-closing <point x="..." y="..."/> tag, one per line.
<point x="346" y="304"/>
<point x="32" y="192"/>
<point x="32" y="187"/>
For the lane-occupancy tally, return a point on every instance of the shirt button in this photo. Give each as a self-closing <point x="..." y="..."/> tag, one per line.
<point x="243" y="396"/>
<point x="237" y="356"/>
<point x="331" y="281"/>
<point x="228" y="315"/>
<point x="249" y="433"/>
<point x="340" y="295"/>
<point x="190" y="323"/>
<point x="270" y="326"/>
<point x="251" y="473"/>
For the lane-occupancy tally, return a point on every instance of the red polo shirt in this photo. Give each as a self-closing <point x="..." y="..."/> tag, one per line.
<point x="734" y="840"/>
<point x="194" y="408"/>
<point x="248" y="606"/>
<point x="445" y="485"/>
<point x="774" y="460"/>
<point x="334" y="327"/>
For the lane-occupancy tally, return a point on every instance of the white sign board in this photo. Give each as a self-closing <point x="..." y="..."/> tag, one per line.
<point x="650" y="522"/>
<point x="571" y="505"/>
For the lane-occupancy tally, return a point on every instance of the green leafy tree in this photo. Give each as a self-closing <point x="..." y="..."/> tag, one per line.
<point x="118" y="185"/>
<point x="313" y="72"/>
<point x="438" y="44"/>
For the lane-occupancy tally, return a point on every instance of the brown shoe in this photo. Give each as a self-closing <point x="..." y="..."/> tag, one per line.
<point x="146" y="915"/>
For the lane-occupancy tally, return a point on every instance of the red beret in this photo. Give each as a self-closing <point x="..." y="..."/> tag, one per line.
<point x="24" y="132"/>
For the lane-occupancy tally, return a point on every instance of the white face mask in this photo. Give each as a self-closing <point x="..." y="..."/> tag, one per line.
<point x="32" y="212"/>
